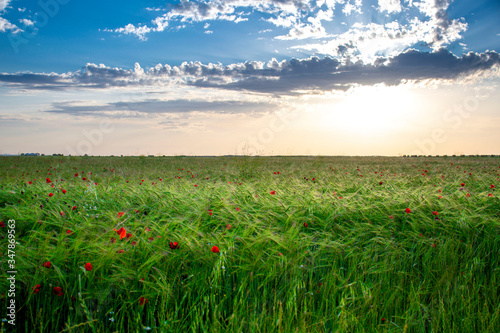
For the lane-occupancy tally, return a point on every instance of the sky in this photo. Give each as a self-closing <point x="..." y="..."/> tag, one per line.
<point x="248" y="77"/>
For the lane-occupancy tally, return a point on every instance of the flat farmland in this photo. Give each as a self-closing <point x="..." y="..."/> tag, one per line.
<point x="251" y="244"/>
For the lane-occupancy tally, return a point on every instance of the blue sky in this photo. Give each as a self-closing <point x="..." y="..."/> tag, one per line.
<point x="247" y="76"/>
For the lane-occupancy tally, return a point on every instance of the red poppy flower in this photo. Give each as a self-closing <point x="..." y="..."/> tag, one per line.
<point x="69" y="232"/>
<point x="30" y="182"/>
<point x="463" y="184"/>
<point x="435" y="213"/>
<point x="380" y="183"/>
<point x="273" y="192"/>
<point x="134" y="243"/>
<point x="88" y="266"/>
<point x="305" y="224"/>
<point x="84" y="178"/>
<point x="210" y="212"/>
<point x="76" y="175"/>
<point x="122" y="232"/>
<point x="57" y="291"/>
<point x="47" y="264"/>
<point x="228" y="226"/>
<point x="64" y="191"/>
<point x="36" y="288"/>
<point x="48" y="180"/>
<point x="128" y="236"/>
<point x="215" y="249"/>
<point x="143" y="301"/>
<point x="2" y="224"/>
<point x="490" y="195"/>
<point x="113" y="240"/>
<point x="51" y="194"/>
<point x="468" y="195"/>
<point x="492" y="186"/>
<point x="383" y="320"/>
<point x="74" y="208"/>
<point x="408" y="210"/>
<point x="120" y="214"/>
<point x="174" y="245"/>
<point x="62" y="213"/>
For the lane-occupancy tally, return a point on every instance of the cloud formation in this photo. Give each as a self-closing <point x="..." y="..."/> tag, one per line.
<point x="293" y="14"/>
<point x="274" y="77"/>
<point x="403" y="24"/>
<point x="5" y="25"/>
<point x="155" y="106"/>
<point x="389" y="6"/>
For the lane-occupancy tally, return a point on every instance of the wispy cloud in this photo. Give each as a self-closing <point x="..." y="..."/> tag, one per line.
<point x="154" y="106"/>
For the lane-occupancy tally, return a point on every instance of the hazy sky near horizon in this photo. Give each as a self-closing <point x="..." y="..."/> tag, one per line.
<point x="268" y="77"/>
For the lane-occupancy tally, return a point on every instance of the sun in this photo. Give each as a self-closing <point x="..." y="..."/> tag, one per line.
<point x="370" y="110"/>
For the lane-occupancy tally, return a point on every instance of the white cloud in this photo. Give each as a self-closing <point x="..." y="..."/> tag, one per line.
<point x="27" y="22"/>
<point x="131" y="29"/>
<point x="4" y="4"/>
<point x="349" y="7"/>
<point x="285" y="13"/>
<point x="6" y="25"/>
<point x="283" y="21"/>
<point x="389" y="6"/>
<point x="444" y="30"/>
<point x="303" y="31"/>
<point x="366" y="42"/>
<point x="209" y="32"/>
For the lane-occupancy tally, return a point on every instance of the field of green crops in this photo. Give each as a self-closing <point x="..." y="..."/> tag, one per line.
<point x="251" y="244"/>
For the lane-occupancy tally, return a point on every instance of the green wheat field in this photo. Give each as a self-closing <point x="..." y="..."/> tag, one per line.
<point x="251" y="244"/>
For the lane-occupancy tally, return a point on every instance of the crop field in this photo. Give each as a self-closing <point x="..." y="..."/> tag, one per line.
<point x="250" y="244"/>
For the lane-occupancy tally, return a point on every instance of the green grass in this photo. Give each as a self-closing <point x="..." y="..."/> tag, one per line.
<point x="360" y="260"/>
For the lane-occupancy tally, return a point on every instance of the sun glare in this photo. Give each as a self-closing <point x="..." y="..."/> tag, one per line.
<point x="372" y="110"/>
